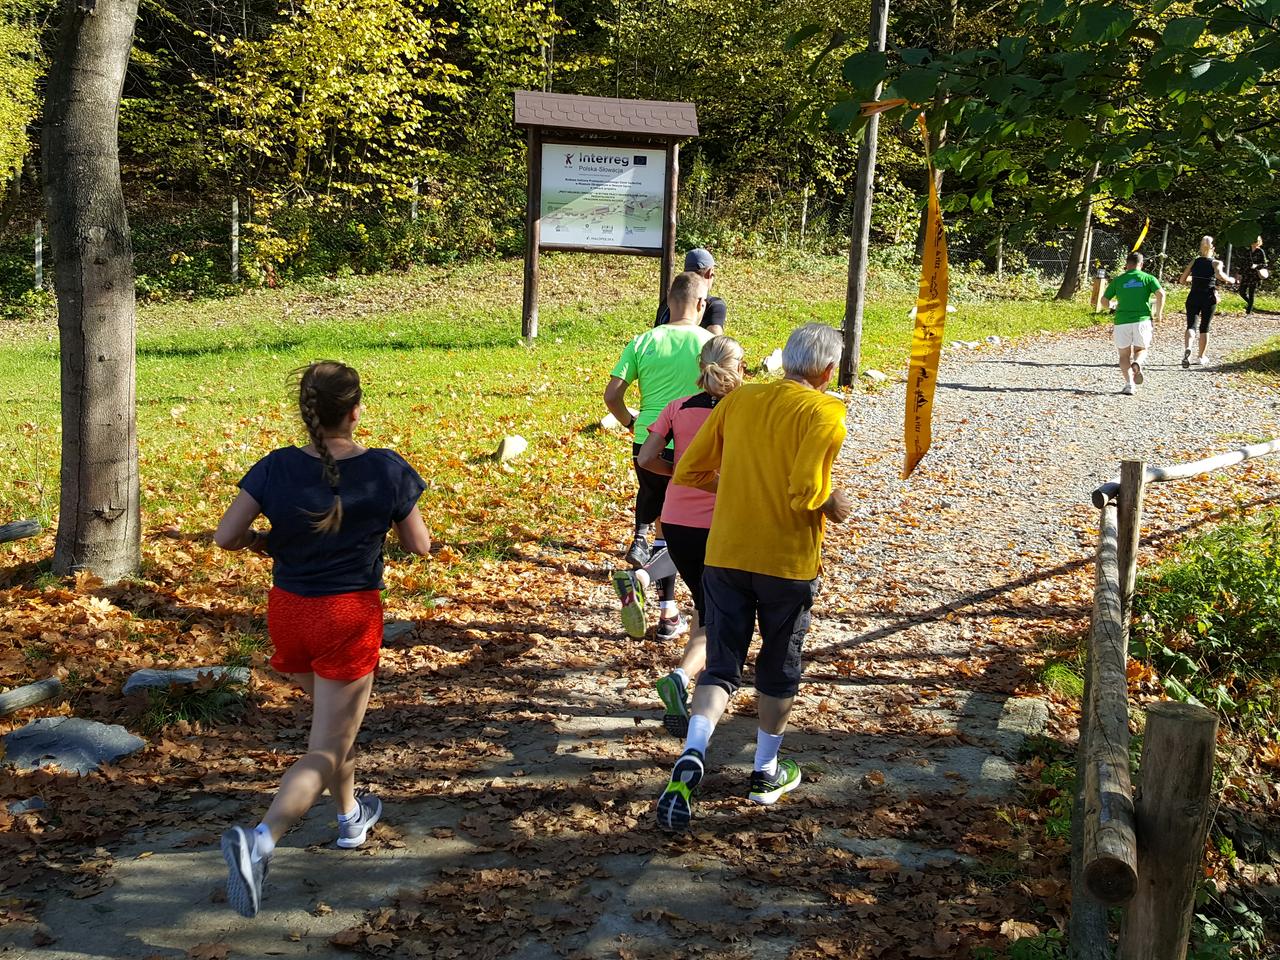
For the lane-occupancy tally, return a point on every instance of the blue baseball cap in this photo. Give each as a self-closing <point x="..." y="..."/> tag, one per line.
<point x="698" y="259"/>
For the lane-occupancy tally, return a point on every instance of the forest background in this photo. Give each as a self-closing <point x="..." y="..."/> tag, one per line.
<point x="362" y="135"/>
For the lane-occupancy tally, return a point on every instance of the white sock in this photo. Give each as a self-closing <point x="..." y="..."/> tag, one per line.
<point x="700" y="729"/>
<point x="767" y="746"/>
<point x="667" y="609"/>
<point x="684" y="677"/>
<point x="348" y="817"/>
<point x="263" y="845"/>
<point x="642" y="577"/>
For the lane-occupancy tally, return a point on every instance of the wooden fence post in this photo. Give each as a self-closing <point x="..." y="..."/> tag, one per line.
<point x="1110" y="849"/>
<point x="1087" y="926"/>
<point x="1175" y="778"/>
<point x="413" y="204"/>
<point x="1133" y="481"/>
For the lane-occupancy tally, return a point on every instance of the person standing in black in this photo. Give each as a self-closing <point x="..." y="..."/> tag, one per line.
<point x="701" y="262"/>
<point x="1253" y="270"/>
<point x="1204" y="273"/>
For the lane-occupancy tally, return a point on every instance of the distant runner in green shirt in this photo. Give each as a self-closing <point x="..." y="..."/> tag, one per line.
<point x="1134" y="291"/>
<point x="664" y="362"/>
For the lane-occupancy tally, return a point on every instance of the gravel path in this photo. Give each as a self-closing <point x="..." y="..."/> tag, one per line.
<point x="1022" y="435"/>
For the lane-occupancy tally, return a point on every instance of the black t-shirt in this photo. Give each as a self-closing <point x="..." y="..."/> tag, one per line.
<point x="378" y="488"/>
<point x="1254" y="260"/>
<point x="713" y="316"/>
<point x="1204" y="277"/>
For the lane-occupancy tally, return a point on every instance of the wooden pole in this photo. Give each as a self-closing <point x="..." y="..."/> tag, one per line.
<point x="1000" y="256"/>
<point x="1173" y="812"/>
<point x="532" y="237"/>
<point x="1132" y="488"/>
<point x="39" y="253"/>
<point x="235" y="239"/>
<point x="1087" y="926"/>
<point x="29" y="695"/>
<point x="1088" y="252"/>
<point x="669" y="223"/>
<point x="1164" y="245"/>
<point x="413" y="204"/>
<point x="1110" y="849"/>
<point x="804" y="214"/>
<point x="1227" y="269"/>
<point x="860" y="232"/>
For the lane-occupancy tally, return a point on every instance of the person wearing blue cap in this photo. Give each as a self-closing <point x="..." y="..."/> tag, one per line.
<point x="700" y="261"/>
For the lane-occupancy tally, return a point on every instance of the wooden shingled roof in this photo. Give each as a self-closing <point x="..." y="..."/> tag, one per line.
<point x="563" y="111"/>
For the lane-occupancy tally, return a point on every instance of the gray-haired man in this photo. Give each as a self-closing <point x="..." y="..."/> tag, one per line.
<point x="767" y="450"/>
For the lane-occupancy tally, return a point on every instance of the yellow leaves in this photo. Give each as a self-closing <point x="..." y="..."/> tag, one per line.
<point x="1017" y="929"/>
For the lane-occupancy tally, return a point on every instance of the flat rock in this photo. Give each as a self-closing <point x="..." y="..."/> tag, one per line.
<point x="146" y="679"/>
<point x="69" y="743"/>
<point x="875" y="376"/>
<point x="395" y="629"/>
<point x="773" y="362"/>
<point x="27" y="805"/>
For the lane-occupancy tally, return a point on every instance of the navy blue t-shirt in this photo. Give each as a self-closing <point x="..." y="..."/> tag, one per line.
<point x="378" y="488"/>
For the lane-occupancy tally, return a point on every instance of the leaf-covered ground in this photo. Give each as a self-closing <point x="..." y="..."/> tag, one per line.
<point x="514" y="732"/>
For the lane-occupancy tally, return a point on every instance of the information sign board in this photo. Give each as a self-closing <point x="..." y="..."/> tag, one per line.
<point x="602" y="196"/>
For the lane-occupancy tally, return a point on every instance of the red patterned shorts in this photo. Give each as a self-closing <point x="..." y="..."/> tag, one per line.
<point x="337" y="637"/>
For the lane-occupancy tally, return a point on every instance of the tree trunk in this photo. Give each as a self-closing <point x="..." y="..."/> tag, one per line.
<point x="1076" y="264"/>
<point x="98" y="522"/>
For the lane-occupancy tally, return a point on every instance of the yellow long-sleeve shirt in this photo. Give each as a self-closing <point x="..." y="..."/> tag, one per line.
<point x="772" y="445"/>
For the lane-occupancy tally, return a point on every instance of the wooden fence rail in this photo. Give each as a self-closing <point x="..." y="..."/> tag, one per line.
<point x="1141" y="852"/>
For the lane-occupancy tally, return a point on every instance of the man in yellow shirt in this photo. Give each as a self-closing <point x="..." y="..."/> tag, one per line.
<point x="767" y="451"/>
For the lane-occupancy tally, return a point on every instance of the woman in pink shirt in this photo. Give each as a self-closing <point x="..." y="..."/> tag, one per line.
<point x="686" y="521"/>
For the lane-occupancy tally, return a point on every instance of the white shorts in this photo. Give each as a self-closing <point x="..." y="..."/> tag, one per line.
<point x="1133" y="334"/>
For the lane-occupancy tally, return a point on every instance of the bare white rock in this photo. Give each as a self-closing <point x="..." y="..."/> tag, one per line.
<point x="610" y="422"/>
<point x="875" y="376"/>
<point x="511" y="447"/>
<point x="994" y="340"/>
<point x="773" y="362"/>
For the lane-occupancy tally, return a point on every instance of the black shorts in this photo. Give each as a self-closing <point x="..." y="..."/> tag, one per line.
<point x="688" y="549"/>
<point x="735" y="599"/>
<point x="1202" y="307"/>
<point x="653" y="487"/>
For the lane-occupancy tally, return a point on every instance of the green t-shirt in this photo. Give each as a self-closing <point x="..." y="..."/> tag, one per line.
<point x="665" y="362"/>
<point x="1133" y="290"/>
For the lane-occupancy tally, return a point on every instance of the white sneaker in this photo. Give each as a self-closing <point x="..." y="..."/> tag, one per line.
<point x="351" y="833"/>
<point x="1128" y="390"/>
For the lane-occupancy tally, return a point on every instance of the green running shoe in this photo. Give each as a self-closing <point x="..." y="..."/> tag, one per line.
<point x="675" y="806"/>
<point x="769" y="789"/>
<point x="675" y="697"/>
<point x="631" y="595"/>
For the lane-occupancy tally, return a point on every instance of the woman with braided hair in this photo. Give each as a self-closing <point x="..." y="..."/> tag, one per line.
<point x="330" y="505"/>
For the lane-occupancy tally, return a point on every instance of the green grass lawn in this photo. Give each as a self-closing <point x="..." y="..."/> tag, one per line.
<point x="446" y="376"/>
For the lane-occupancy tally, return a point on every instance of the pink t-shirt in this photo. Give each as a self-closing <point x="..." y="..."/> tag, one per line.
<point x="679" y="422"/>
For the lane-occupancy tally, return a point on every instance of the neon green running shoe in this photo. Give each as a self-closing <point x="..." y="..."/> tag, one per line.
<point x="675" y="697"/>
<point x="767" y="789"/>
<point x="675" y="806"/>
<point x="631" y="595"/>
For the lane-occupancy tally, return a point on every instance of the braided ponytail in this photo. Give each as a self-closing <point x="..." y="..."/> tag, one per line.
<point x="327" y="393"/>
<point x="721" y="363"/>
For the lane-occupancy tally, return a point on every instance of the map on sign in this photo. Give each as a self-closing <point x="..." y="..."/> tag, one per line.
<point x="602" y="196"/>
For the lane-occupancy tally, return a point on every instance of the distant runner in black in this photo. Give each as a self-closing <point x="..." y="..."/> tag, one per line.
<point x="1253" y="270"/>
<point x="701" y="262"/>
<point x="1204" y="273"/>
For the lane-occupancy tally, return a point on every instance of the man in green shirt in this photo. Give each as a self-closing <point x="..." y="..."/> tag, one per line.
<point x="664" y="362"/>
<point x="1133" y="291"/>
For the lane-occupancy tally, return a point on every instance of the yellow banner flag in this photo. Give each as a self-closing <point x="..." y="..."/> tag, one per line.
<point x="931" y="316"/>
<point x="1142" y="236"/>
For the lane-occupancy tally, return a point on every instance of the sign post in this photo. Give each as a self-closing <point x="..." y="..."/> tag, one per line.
<point x="603" y="179"/>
